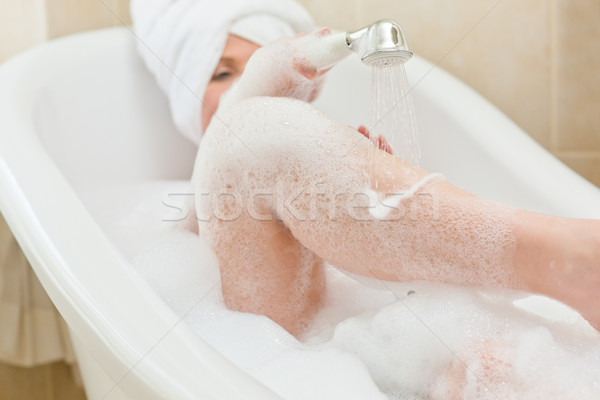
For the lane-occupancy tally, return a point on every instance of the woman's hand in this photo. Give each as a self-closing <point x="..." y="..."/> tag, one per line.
<point x="380" y="141"/>
<point x="292" y="67"/>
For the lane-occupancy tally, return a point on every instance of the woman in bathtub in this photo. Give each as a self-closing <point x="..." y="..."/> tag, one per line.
<point x="282" y="188"/>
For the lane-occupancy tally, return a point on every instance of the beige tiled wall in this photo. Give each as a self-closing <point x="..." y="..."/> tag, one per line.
<point x="536" y="60"/>
<point x="577" y="84"/>
<point x="25" y="23"/>
<point x="46" y="382"/>
<point x="21" y="26"/>
<point x="577" y="61"/>
<point x="69" y="16"/>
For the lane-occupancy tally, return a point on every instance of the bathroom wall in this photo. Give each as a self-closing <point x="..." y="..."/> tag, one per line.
<point x="45" y="382"/>
<point x="26" y="23"/>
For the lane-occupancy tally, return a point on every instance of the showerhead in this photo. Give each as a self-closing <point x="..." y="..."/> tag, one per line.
<point x="382" y="40"/>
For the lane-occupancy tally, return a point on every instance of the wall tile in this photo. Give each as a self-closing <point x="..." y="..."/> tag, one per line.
<point x="47" y="382"/>
<point x="122" y="11"/>
<point x="22" y="383"/>
<point x="500" y="48"/>
<point x="578" y="75"/>
<point x="21" y="26"/>
<point x="61" y="384"/>
<point x="70" y="16"/>
<point x="340" y="14"/>
<point x="587" y="165"/>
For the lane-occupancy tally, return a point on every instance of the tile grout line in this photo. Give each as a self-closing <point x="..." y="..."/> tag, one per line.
<point x="553" y="32"/>
<point x="115" y="5"/>
<point x="43" y="17"/>
<point x="577" y="153"/>
<point x="48" y="383"/>
<point x="358" y="5"/>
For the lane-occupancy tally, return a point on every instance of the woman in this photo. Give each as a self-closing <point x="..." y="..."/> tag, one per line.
<point x="282" y="188"/>
<point x="275" y="158"/>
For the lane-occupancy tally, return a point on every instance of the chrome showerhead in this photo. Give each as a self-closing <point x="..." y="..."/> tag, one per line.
<point x="379" y="41"/>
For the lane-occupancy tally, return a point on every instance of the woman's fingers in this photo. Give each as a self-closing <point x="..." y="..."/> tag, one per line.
<point x="304" y="68"/>
<point x="383" y="144"/>
<point x="380" y="141"/>
<point x="363" y="129"/>
<point x="323" y="32"/>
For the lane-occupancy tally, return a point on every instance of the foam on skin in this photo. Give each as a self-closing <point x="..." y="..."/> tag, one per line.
<point x="413" y="340"/>
<point x="285" y="191"/>
<point x="289" y="68"/>
<point x="402" y="341"/>
<point x="380" y="208"/>
<point x="284" y="149"/>
<point x="443" y="342"/>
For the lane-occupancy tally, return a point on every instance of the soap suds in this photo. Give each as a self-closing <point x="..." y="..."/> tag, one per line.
<point x="380" y="208"/>
<point x="372" y="339"/>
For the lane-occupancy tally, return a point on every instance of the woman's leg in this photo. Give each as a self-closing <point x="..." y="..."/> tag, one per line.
<point x="265" y="270"/>
<point x="302" y="183"/>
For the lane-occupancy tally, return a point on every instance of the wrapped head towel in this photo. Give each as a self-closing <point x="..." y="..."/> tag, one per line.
<point x="181" y="42"/>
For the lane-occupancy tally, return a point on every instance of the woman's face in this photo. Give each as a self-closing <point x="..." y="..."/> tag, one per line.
<point x="233" y="61"/>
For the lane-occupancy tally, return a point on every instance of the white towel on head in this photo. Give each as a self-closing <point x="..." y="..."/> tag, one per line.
<point x="181" y="42"/>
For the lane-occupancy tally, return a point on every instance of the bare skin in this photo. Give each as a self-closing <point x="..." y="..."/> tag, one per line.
<point x="233" y="61"/>
<point x="271" y="258"/>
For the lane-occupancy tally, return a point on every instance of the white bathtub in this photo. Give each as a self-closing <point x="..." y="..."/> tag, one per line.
<point x="83" y="111"/>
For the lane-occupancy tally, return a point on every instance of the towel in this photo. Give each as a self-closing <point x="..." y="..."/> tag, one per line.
<point x="181" y="42"/>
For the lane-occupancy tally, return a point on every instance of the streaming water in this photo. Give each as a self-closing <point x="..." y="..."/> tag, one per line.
<point x="392" y="111"/>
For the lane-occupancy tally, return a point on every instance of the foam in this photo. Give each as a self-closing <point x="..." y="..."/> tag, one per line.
<point x="438" y="331"/>
<point x="288" y="68"/>
<point x="289" y="149"/>
<point x="371" y="340"/>
<point x="380" y="208"/>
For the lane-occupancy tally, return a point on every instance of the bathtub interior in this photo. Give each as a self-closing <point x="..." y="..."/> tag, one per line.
<point x="103" y="123"/>
<point x="116" y="127"/>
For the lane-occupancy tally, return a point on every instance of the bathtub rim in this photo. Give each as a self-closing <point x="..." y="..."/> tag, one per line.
<point x="37" y="220"/>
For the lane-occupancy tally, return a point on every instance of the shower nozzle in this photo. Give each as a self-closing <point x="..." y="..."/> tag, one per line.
<point x="382" y="40"/>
